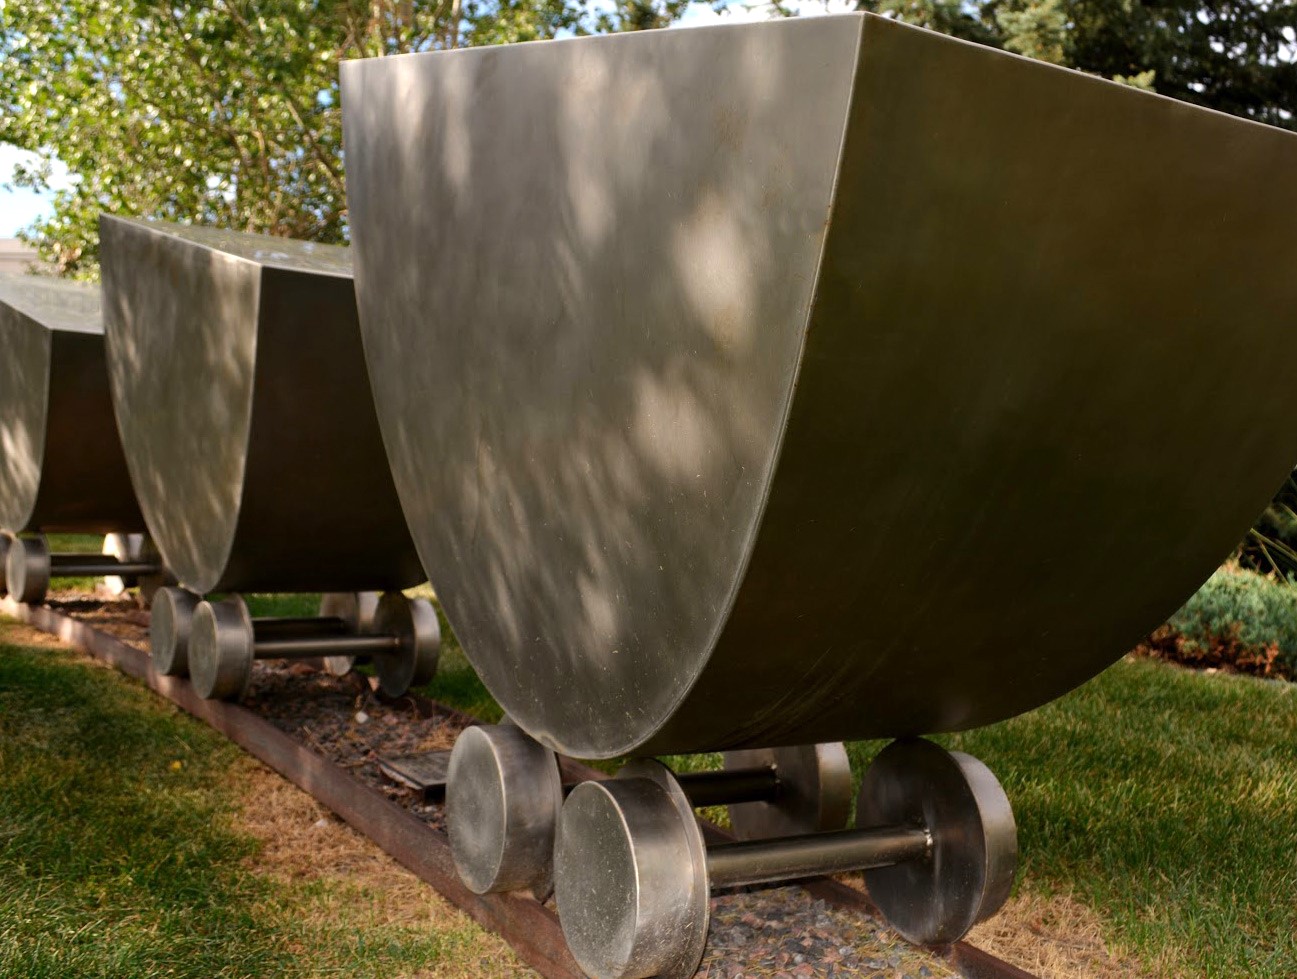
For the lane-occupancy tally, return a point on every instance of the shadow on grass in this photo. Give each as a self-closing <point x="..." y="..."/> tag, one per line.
<point x="122" y="852"/>
<point x="1164" y="799"/>
<point x="114" y="856"/>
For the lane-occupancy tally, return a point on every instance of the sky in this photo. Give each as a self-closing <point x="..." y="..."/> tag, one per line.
<point x="19" y="208"/>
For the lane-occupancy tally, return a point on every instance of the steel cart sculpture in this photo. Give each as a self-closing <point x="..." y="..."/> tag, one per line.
<point x="61" y="462"/>
<point x="240" y="388"/>
<point x="782" y="383"/>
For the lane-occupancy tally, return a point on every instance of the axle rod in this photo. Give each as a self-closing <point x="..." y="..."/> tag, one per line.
<point x="772" y="861"/>
<point x="504" y="795"/>
<point x="633" y="875"/>
<point x="29" y="567"/>
<point x="96" y="565"/>
<point x="758" y="783"/>
<point x="304" y="647"/>
<point x="224" y="640"/>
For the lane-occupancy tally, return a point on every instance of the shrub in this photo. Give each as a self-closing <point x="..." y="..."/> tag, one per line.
<point x="1239" y="620"/>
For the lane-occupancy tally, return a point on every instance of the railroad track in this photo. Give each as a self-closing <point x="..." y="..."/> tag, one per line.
<point x="530" y="927"/>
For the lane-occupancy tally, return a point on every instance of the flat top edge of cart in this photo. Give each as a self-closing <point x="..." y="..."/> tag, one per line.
<point x="268" y="251"/>
<point x="57" y="305"/>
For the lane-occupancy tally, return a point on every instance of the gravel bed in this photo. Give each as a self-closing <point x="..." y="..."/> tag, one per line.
<point x="784" y="932"/>
<point x="343" y="719"/>
<point x="760" y="933"/>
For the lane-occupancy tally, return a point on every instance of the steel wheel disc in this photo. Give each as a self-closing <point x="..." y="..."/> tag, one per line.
<point x="414" y="622"/>
<point x="969" y="870"/>
<point x="221" y="649"/>
<point x="814" y="791"/>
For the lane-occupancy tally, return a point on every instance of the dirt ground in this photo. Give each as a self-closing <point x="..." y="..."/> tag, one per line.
<point x="352" y="880"/>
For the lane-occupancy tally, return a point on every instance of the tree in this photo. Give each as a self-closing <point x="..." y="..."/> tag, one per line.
<point x="223" y="112"/>
<point x="226" y="112"/>
<point x="1238" y="56"/>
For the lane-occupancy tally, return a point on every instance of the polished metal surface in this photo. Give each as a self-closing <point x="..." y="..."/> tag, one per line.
<point x="221" y="649"/>
<point x="307" y="647"/>
<point x="503" y="795"/>
<point x="171" y="623"/>
<point x="969" y="872"/>
<point x="934" y="831"/>
<point x="404" y="643"/>
<point x="61" y="462"/>
<point x="6" y="541"/>
<point x="123" y="547"/>
<point x="97" y="565"/>
<point x="413" y="661"/>
<point x="240" y="388"/>
<point x="357" y="609"/>
<point x="630" y="877"/>
<point x="170" y="626"/>
<point x="812" y="855"/>
<point x="814" y="791"/>
<point x="721" y="788"/>
<point x="27" y="569"/>
<point x="30" y="565"/>
<point x="818" y="379"/>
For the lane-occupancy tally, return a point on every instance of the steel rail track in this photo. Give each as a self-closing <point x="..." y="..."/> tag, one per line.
<point x="531" y="928"/>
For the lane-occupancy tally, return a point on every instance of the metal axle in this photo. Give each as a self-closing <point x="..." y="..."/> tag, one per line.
<point x="934" y="836"/>
<point x="172" y="617"/>
<point x="224" y="640"/>
<point x="29" y="567"/>
<point x="758" y="783"/>
<point x="723" y="787"/>
<point x="305" y="647"/>
<point x="96" y="565"/>
<point x="504" y="795"/>
<point x="750" y="862"/>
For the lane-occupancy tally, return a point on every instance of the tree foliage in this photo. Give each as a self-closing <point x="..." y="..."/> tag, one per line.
<point x="226" y="112"/>
<point x="1238" y="56"/>
<point x="223" y="112"/>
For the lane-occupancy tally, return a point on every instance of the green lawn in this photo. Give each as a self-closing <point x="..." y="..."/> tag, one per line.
<point x="1165" y="799"/>
<point x="121" y="852"/>
<point x="75" y="544"/>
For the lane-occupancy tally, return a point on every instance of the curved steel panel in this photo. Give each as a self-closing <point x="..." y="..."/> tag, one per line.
<point x="240" y="388"/>
<point x="810" y="380"/>
<point x="586" y="359"/>
<point x="1039" y="293"/>
<point x="61" y="462"/>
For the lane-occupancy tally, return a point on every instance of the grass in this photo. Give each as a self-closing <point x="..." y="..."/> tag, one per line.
<point x="122" y="851"/>
<point x="1164" y="799"/>
<point x="76" y="544"/>
<point x="1167" y="800"/>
